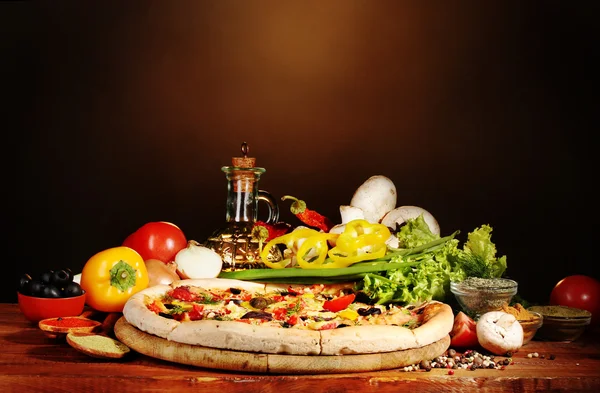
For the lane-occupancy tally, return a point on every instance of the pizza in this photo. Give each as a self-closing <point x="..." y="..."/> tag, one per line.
<point x="283" y="319"/>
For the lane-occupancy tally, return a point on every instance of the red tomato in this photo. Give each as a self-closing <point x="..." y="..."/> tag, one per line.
<point x="157" y="240"/>
<point x="339" y="304"/>
<point x="578" y="291"/>
<point x="464" y="332"/>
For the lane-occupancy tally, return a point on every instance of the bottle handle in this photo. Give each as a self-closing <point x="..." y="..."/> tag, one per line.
<point x="272" y="204"/>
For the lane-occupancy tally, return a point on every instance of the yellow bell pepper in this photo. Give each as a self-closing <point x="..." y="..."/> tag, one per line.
<point x="360" y="241"/>
<point x="348" y="314"/>
<point x="111" y="277"/>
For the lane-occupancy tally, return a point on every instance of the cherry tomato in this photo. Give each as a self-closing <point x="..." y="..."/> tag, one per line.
<point x="340" y="303"/>
<point x="578" y="291"/>
<point x="464" y="332"/>
<point x="157" y="240"/>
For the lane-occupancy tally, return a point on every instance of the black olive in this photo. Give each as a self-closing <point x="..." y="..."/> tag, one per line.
<point x="235" y="291"/>
<point x="363" y="298"/>
<point x="51" y="291"/>
<point x="165" y="315"/>
<point x="235" y="301"/>
<point x="69" y="274"/>
<point x="368" y="311"/>
<point x="72" y="289"/>
<point x="46" y="277"/>
<point x="61" y="278"/>
<point x="257" y="315"/>
<point x="36" y="287"/>
<point x="259" y="303"/>
<point x="24" y="284"/>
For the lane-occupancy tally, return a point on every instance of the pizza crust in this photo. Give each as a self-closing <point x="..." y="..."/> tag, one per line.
<point x="136" y="312"/>
<point x="248" y="338"/>
<point x="437" y="322"/>
<point x="366" y="339"/>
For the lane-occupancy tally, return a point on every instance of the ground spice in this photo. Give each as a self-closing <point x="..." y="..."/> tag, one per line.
<point x="560" y="311"/>
<point x="480" y="295"/>
<point x="520" y="312"/>
<point x="70" y="322"/>
<point x="100" y="343"/>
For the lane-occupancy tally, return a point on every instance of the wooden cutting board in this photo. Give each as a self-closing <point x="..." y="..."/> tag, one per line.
<point x="195" y="355"/>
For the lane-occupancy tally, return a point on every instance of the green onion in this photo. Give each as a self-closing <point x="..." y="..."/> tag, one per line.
<point x="403" y="258"/>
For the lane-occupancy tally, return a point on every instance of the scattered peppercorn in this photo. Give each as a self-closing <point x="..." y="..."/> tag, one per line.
<point x="450" y="372"/>
<point x="552" y="357"/>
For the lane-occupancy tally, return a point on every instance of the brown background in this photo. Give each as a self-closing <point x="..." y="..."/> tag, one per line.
<point x="123" y="113"/>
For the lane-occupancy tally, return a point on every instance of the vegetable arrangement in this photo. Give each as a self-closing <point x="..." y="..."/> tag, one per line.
<point x="392" y="254"/>
<point x="406" y="265"/>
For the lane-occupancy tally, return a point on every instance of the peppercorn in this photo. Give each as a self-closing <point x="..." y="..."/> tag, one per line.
<point x="552" y="357"/>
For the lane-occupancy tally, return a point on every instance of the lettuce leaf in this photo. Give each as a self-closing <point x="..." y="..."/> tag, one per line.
<point x="426" y="276"/>
<point x="415" y="232"/>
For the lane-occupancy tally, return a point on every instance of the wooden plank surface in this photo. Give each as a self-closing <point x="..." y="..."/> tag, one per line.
<point x="31" y="362"/>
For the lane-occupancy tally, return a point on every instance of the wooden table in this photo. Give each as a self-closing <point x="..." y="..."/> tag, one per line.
<point x="32" y="362"/>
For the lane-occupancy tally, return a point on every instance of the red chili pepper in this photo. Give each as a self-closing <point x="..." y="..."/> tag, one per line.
<point x="272" y="230"/>
<point x="308" y="216"/>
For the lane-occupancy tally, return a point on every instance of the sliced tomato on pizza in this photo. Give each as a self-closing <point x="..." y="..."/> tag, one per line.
<point x="340" y="303"/>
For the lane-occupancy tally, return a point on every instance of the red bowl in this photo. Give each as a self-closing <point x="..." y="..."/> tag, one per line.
<point x="37" y="308"/>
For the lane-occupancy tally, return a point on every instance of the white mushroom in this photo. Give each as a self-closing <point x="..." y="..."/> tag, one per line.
<point x="349" y="213"/>
<point x="499" y="332"/>
<point x="376" y="196"/>
<point x="401" y="214"/>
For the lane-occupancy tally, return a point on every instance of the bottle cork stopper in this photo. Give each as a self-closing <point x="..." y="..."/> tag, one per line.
<point x="245" y="161"/>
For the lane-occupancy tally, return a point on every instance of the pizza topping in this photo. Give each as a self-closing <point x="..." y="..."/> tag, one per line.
<point x="257" y="315"/>
<point x="259" y="302"/>
<point x="316" y="307"/>
<point x="368" y="311"/>
<point x="183" y="293"/>
<point x="340" y="303"/>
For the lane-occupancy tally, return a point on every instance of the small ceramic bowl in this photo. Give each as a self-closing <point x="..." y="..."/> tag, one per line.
<point x="531" y="326"/>
<point x="562" y="328"/>
<point x="476" y="297"/>
<point x="37" y="308"/>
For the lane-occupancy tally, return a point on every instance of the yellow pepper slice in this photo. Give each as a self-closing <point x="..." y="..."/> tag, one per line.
<point x="348" y="314"/>
<point x="360" y="241"/>
<point x="316" y="248"/>
<point x="290" y="240"/>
